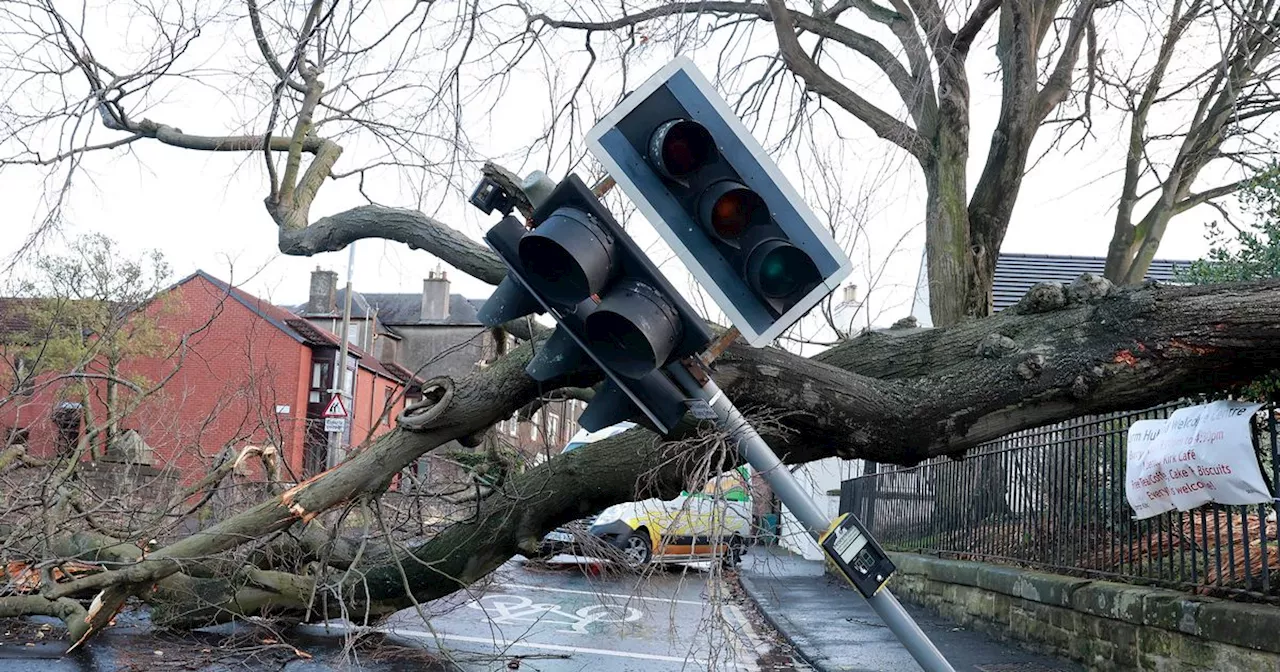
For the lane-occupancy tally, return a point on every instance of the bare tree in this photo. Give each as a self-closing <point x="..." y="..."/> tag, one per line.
<point x="1186" y="119"/>
<point x="1053" y="73"/>
<point x="895" y="397"/>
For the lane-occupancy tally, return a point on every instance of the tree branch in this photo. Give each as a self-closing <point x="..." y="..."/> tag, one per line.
<point x="1207" y="195"/>
<point x="415" y="229"/>
<point x="974" y="24"/>
<point x="255" y="20"/>
<point x="914" y="87"/>
<point x="816" y="79"/>
<point x="1055" y="89"/>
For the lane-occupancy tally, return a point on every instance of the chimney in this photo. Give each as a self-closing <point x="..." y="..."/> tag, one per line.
<point x="850" y="294"/>
<point x="435" y="296"/>
<point x="323" y="299"/>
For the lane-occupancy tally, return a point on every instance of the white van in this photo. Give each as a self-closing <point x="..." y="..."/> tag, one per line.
<point x="712" y="523"/>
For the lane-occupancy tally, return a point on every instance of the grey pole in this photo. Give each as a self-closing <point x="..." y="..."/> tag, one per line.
<point x="762" y="458"/>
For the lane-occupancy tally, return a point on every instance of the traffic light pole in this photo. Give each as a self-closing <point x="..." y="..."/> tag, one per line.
<point x="762" y="458"/>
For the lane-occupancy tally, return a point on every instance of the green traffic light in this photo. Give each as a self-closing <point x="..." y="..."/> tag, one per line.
<point x="780" y="270"/>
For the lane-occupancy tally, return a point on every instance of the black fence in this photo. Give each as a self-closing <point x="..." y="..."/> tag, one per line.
<point x="1053" y="499"/>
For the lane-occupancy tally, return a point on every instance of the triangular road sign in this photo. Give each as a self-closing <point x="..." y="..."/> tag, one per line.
<point x="336" y="408"/>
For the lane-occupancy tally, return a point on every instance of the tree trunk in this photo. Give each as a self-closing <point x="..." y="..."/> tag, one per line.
<point x="953" y="295"/>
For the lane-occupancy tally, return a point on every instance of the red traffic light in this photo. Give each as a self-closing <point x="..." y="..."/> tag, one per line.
<point x="729" y="208"/>
<point x="679" y="147"/>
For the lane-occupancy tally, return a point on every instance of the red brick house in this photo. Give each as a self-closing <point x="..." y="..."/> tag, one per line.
<point x="232" y="370"/>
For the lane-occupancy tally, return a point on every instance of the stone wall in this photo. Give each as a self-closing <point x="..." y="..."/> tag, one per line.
<point x="1101" y="624"/>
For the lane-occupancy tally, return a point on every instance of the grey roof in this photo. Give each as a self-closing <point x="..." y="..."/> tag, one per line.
<point x="403" y="309"/>
<point x="1017" y="273"/>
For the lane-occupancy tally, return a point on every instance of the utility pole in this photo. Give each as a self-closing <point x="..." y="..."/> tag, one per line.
<point x="336" y="448"/>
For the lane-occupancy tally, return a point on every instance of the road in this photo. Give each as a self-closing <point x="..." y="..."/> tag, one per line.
<point x="565" y="617"/>
<point x="577" y="617"/>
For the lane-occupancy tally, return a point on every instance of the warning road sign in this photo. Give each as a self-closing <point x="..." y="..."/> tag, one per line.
<point x="336" y="408"/>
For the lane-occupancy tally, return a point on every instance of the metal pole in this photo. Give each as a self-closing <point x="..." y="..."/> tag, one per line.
<point x="762" y="458"/>
<point x="340" y="376"/>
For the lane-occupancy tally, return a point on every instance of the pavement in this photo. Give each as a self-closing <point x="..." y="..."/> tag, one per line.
<point x="833" y="629"/>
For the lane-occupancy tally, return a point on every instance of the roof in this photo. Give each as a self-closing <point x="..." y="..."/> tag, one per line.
<point x="15" y="314"/>
<point x="1017" y="273"/>
<point x="316" y="336"/>
<point x="403" y="374"/>
<point x="19" y="316"/>
<point x="397" y="309"/>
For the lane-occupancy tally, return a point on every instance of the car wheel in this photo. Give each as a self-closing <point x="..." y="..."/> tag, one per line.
<point x="733" y="555"/>
<point x="636" y="550"/>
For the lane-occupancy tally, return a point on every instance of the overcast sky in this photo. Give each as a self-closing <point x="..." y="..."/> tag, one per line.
<point x="204" y="210"/>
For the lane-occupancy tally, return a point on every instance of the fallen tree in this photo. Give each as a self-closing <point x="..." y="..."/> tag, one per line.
<point x="899" y="396"/>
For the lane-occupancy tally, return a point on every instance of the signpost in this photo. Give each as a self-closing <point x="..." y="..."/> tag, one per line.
<point x="335" y="415"/>
<point x="679" y="153"/>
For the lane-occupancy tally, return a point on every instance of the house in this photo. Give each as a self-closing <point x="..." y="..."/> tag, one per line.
<point x="435" y="333"/>
<point x="227" y="369"/>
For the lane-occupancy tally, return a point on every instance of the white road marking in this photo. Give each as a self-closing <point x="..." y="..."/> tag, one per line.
<point x="749" y="630"/>
<point x="503" y="643"/>
<point x="522" y="586"/>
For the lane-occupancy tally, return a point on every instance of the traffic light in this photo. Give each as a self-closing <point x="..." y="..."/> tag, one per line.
<point x="707" y="186"/>
<point x="612" y="307"/>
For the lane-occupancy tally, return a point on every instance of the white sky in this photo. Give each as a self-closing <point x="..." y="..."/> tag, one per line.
<point x="205" y="211"/>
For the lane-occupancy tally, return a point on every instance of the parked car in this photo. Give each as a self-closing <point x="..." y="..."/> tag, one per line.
<point x="712" y="523"/>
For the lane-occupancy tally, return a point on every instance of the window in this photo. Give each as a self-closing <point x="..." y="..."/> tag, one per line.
<point x="321" y="379"/>
<point x="24" y="382"/>
<point x="513" y="425"/>
<point x="67" y="418"/>
<point x="535" y="425"/>
<point x="389" y="392"/>
<point x="553" y="427"/>
<point x="354" y="331"/>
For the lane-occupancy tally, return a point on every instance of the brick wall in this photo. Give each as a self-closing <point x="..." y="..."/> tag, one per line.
<point x="227" y="377"/>
<point x="240" y="379"/>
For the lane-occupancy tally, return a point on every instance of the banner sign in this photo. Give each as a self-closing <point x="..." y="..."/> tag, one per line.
<point x="1198" y="455"/>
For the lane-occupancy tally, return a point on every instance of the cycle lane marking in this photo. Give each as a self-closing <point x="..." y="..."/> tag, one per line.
<point x="524" y="586"/>
<point x="504" y="643"/>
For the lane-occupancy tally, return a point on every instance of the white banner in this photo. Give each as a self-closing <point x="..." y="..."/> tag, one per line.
<point x="1199" y="454"/>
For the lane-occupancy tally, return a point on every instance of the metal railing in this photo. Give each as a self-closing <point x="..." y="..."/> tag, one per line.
<point x="1053" y="498"/>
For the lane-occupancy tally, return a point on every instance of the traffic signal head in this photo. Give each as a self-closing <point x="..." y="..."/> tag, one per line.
<point x="612" y="307"/>
<point x="707" y="186"/>
<point x="568" y="257"/>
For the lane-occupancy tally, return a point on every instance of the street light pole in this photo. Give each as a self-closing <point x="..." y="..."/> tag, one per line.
<point x="340" y="376"/>
<point x="784" y="483"/>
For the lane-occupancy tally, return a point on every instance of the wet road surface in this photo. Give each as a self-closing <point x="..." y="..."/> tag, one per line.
<point x="575" y="617"/>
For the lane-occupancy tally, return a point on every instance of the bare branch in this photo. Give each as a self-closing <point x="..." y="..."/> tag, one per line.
<point x="974" y="24"/>
<point x="816" y="79"/>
